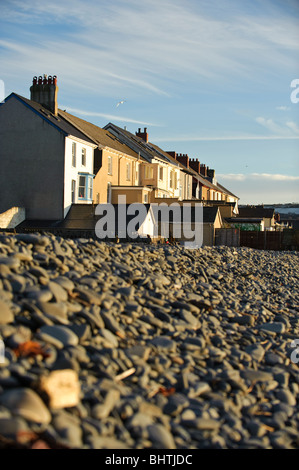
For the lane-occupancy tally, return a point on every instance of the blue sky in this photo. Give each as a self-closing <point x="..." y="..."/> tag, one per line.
<point x="207" y="78"/>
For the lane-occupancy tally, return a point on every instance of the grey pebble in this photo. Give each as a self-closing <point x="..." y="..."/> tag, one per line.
<point x="6" y="315"/>
<point x="161" y="437"/>
<point x="27" y="404"/>
<point x="164" y="343"/>
<point x="61" y="333"/>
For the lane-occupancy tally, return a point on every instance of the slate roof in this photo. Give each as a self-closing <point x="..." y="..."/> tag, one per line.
<point x="147" y="150"/>
<point x="209" y="214"/>
<point x="258" y="212"/>
<point x="102" y="137"/>
<point x="61" y="125"/>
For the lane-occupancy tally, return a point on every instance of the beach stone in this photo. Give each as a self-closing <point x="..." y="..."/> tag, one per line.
<point x="286" y="396"/>
<point x="65" y="283"/>
<point x="176" y="403"/>
<point x="6" y="315"/>
<point x="27" y="404"/>
<point x="161" y="437"/>
<point x="12" y="427"/>
<point x="33" y="239"/>
<point x="61" y="333"/>
<point x="257" y="375"/>
<point x="40" y="295"/>
<point x="163" y="343"/>
<point x="68" y="428"/>
<point x="256" y="351"/>
<point x="56" y="311"/>
<point x="199" y="389"/>
<point x="203" y="424"/>
<point x="103" y="410"/>
<point x="58" y="292"/>
<point x="273" y="327"/>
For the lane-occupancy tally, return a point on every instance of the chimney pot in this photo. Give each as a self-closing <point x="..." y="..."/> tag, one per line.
<point x="143" y="135"/>
<point x="44" y="94"/>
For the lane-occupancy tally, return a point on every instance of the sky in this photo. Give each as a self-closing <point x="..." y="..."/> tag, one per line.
<point x="218" y="81"/>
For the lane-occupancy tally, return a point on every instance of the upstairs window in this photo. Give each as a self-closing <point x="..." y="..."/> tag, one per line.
<point x="161" y="173"/>
<point x="171" y="179"/>
<point x="175" y="180"/>
<point x="149" y="172"/>
<point x="128" y="171"/>
<point x="83" y="157"/>
<point x="74" y="154"/>
<point x="109" y="165"/>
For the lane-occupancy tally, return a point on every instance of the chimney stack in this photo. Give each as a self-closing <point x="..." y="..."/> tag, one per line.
<point x="183" y="159"/>
<point x="44" y="91"/>
<point x="143" y="135"/>
<point x="211" y="173"/>
<point x="203" y="170"/>
<point x="195" y="165"/>
<point x="172" y="154"/>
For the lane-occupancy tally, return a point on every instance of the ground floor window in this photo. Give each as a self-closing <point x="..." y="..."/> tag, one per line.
<point x="85" y="187"/>
<point x="73" y="191"/>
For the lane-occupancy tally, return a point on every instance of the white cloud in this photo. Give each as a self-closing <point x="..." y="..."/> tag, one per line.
<point x="293" y="126"/>
<point x="257" y="188"/>
<point x="110" y="117"/>
<point x="282" y="108"/>
<point x="150" y="45"/>
<point x="285" y="130"/>
<point x="196" y="138"/>
<point x="255" y="176"/>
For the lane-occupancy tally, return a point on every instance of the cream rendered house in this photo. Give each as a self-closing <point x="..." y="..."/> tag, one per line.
<point x="46" y="164"/>
<point x="166" y="177"/>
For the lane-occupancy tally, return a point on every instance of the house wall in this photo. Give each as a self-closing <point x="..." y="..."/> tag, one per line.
<point x="269" y="222"/>
<point x="133" y="195"/>
<point x="118" y="176"/>
<point x="72" y="173"/>
<point x="31" y="162"/>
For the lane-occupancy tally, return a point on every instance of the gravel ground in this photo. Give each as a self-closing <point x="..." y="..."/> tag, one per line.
<point x="157" y="347"/>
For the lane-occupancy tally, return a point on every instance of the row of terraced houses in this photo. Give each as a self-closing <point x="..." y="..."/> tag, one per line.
<point x="51" y="161"/>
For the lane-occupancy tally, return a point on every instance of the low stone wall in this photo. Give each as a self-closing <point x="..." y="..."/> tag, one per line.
<point x="12" y="217"/>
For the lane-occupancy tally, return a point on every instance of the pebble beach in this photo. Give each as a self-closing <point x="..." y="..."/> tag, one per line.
<point x="144" y="346"/>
